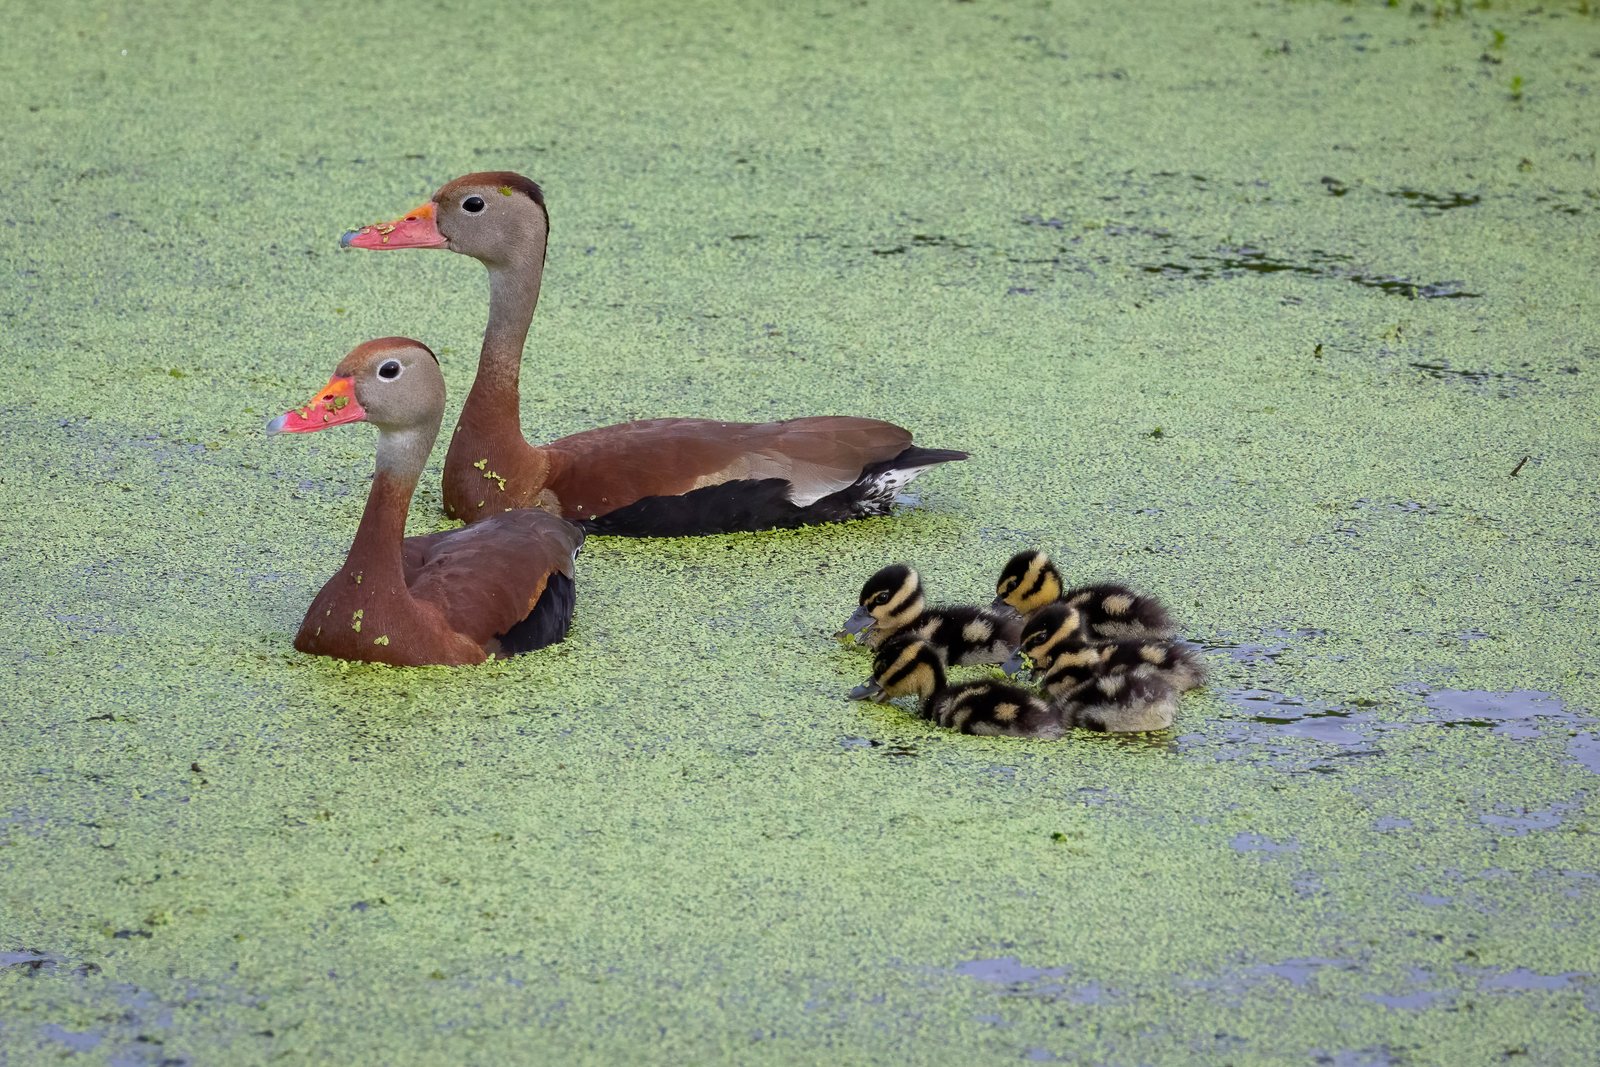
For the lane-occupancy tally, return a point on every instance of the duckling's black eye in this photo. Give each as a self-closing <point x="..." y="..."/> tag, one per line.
<point x="881" y="598"/>
<point x="472" y="205"/>
<point x="389" y="369"/>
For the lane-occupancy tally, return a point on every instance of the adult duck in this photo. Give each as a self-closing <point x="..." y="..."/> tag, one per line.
<point x="497" y="588"/>
<point x="657" y="477"/>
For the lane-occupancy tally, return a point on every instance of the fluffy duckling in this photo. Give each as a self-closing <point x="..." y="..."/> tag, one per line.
<point x="1118" y="702"/>
<point x="891" y="603"/>
<point x="1053" y="639"/>
<point x="1111" y="611"/>
<point x="911" y="665"/>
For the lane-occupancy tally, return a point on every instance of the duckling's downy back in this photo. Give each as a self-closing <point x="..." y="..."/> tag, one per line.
<point x="994" y="709"/>
<point x="1120" y="702"/>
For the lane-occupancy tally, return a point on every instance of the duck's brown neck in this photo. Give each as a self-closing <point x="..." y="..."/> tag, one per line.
<point x="376" y="552"/>
<point x="493" y="406"/>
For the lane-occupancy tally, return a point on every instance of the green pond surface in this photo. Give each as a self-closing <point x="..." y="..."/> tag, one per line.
<point x="1284" y="311"/>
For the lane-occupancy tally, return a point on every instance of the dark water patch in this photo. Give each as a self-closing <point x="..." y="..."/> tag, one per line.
<point x="1041" y="48"/>
<point x="31" y="962"/>
<point x="1021" y="980"/>
<point x="1397" y="286"/>
<point x="1373" y="1056"/>
<point x="1288" y="733"/>
<point x="881" y="748"/>
<point x="1520" y="825"/>
<point x="1570" y="202"/>
<point x="1301" y="971"/>
<point x="1253" y="842"/>
<point x="91" y="625"/>
<point x="22" y="821"/>
<point x="1007" y="971"/>
<point x="920" y="241"/>
<point x="1404" y="507"/>
<point x="1523" y="980"/>
<point x="1585" y="751"/>
<point x="1258" y="653"/>
<point x="937" y="240"/>
<point x="1519" y="714"/>
<point x="1386" y="823"/>
<point x="1576" y="885"/>
<point x="1236" y="262"/>
<point x="1291" y="717"/>
<point x="1434" y="203"/>
<point x="1513" y="713"/>
<point x="76" y="1040"/>
<point x="1442" y="371"/>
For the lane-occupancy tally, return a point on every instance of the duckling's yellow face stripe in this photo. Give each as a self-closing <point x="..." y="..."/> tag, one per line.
<point x="1038" y="586"/>
<point x="1043" y="646"/>
<point x="902" y="605"/>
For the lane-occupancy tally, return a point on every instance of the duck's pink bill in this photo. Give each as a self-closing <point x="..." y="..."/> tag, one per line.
<point x="416" y="229"/>
<point x="335" y="404"/>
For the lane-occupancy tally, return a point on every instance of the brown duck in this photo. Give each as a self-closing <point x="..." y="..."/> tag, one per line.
<point x="658" y="477"/>
<point x="497" y="588"/>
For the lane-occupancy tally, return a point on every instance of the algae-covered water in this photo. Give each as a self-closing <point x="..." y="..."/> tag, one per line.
<point x="1282" y="310"/>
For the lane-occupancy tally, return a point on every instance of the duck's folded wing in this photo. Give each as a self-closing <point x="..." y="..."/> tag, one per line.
<point x="488" y="578"/>
<point x="617" y="465"/>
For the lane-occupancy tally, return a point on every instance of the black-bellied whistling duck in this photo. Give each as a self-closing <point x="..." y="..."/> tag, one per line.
<point x="891" y="603"/>
<point x="658" y="477"/>
<point x="910" y="665"/>
<point x="497" y="588"/>
<point x="1110" y="611"/>
<point x="1053" y="638"/>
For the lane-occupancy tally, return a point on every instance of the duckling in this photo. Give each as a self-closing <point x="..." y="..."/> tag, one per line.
<point x="1119" y="701"/>
<point x="891" y="603"/>
<point x="913" y="665"/>
<point x="1111" y="611"/>
<point x="1053" y="638"/>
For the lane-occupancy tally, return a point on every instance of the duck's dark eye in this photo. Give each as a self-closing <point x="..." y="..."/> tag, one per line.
<point x="881" y="598"/>
<point x="389" y="370"/>
<point x="472" y="205"/>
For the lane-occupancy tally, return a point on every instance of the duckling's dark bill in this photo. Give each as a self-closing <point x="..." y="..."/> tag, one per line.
<point x="867" y="691"/>
<point x="859" y="620"/>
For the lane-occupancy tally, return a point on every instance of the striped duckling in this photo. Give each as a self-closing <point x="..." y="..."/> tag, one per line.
<point x="1116" y="687"/>
<point x="1111" y="611"/>
<point x="1053" y="639"/>
<point x="891" y="603"/>
<point x="1117" y="702"/>
<point x="911" y="665"/>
